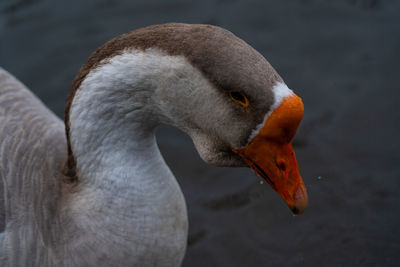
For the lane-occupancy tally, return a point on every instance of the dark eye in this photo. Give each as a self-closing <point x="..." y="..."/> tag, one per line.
<point x="239" y="98"/>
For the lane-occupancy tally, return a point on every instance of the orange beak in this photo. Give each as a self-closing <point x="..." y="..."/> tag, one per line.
<point x="270" y="153"/>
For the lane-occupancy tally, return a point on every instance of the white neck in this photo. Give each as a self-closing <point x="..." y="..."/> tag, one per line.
<point x="128" y="201"/>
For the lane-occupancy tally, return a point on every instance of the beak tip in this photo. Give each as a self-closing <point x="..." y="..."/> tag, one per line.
<point x="296" y="210"/>
<point x="301" y="200"/>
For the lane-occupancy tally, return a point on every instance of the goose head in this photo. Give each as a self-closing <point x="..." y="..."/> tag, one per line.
<point x="216" y="88"/>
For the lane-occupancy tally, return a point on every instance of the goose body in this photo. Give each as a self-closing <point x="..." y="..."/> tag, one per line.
<point x="95" y="190"/>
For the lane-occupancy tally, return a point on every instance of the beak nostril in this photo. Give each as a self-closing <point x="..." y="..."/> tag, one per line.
<point x="282" y="166"/>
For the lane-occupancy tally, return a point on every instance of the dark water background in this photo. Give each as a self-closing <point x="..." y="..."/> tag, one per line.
<point x="342" y="57"/>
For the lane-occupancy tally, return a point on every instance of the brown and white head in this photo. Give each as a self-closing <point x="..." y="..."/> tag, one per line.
<point x="205" y="81"/>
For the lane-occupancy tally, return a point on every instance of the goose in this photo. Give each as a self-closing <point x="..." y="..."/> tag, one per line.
<point x="95" y="190"/>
